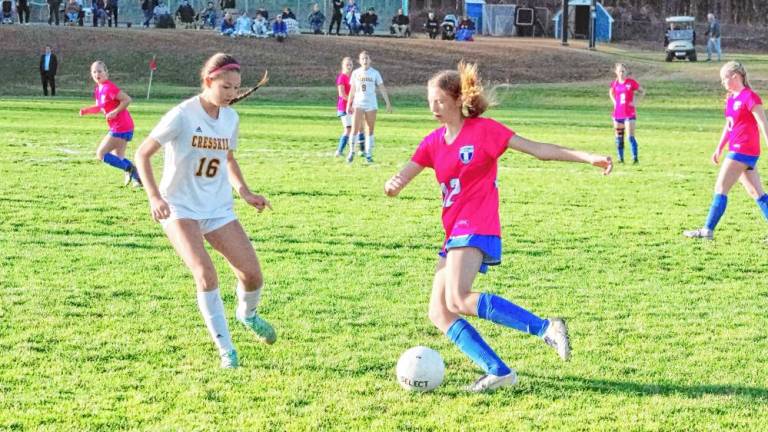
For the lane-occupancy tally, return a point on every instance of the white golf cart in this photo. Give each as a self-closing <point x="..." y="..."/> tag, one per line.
<point x="680" y="38"/>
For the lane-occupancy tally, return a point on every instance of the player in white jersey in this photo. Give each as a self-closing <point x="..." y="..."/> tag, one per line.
<point x="362" y="103"/>
<point x="194" y="200"/>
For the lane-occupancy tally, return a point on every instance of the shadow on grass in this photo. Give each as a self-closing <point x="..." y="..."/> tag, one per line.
<point x="579" y="384"/>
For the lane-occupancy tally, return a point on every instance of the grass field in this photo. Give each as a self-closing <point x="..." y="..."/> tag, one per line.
<point x="99" y="329"/>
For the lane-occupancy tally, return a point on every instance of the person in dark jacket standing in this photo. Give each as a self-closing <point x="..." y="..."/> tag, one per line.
<point x="338" y="5"/>
<point x="432" y="26"/>
<point x="111" y="12"/>
<point x="53" y="11"/>
<point x="713" y="37"/>
<point x="48" y="66"/>
<point x="22" y="8"/>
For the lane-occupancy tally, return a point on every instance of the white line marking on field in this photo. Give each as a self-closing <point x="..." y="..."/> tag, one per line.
<point x="68" y="151"/>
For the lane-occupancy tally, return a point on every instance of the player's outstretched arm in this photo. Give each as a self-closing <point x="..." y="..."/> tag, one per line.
<point x="237" y="182"/>
<point x="157" y="205"/>
<point x="399" y="181"/>
<point x="547" y="152"/>
<point x="385" y="95"/>
<point x="93" y="109"/>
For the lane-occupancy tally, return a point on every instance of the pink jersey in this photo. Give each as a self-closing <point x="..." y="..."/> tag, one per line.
<point x="343" y="79"/>
<point x="466" y="170"/>
<point x="624" y="98"/>
<point x="106" y="98"/>
<point x="743" y="134"/>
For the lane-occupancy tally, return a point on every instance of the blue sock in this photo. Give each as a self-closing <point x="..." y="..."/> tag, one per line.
<point x="716" y="210"/>
<point x="633" y="145"/>
<point x="620" y="148"/>
<point x="762" y="202"/>
<point x="123" y="164"/>
<point x="501" y="311"/>
<point x="472" y="344"/>
<point x="343" y="140"/>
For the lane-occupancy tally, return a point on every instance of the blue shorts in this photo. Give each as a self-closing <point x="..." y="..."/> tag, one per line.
<point x="622" y="120"/>
<point x="489" y="245"/>
<point x="122" y="135"/>
<point x="340" y="113"/>
<point x="749" y="161"/>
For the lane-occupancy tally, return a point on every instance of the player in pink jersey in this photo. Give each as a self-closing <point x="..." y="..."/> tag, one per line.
<point x="463" y="153"/>
<point x="343" y="86"/>
<point x="744" y="114"/>
<point x="622" y="94"/>
<point x="113" y="102"/>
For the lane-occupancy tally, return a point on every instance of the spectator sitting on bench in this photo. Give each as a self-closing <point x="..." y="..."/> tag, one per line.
<point x="432" y="26"/>
<point x="279" y="29"/>
<point x="316" y="20"/>
<point x="99" y="12"/>
<point x="207" y="18"/>
<point x="186" y="14"/>
<point x="288" y="13"/>
<point x="260" y="26"/>
<point x="72" y="13"/>
<point x="466" y="29"/>
<point x="244" y="25"/>
<point x="163" y="18"/>
<point x="7" y="14"/>
<point x="369" y="21"/>
<point x="228" y="25"/>
<point x="401" y="24"/>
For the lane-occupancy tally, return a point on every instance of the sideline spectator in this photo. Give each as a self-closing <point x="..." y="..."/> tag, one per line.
<point x="713" y="37"/>
<point x="260" y="26"/>
<point x="163" y="18"/>
<point x="432" y="26"/>
<point x="352" y="17"/>
<point x="288" y="14"/>
<point x="466" y="30"/>
<point x="338" y="5"/>
<point x="228" y="6"/>
<point x="48" y="66"/>
<point x="263" y="12"/>
<point x="22" y="8"/>
<point x="316" y="20"/>
<point x="369" y="21"/>
<point x="98" y="12"/>
<point x="111" y="10"/>
<point x="186" y="14"/>
<point x="7" y="12"/>
<point x="207" y="17"/>
<point x="279" y="29"/>
<point x="228" y="25"/>
<point x="53" y="11"/>
<point x="243" y="25"/>
<point x="401" y="24"/>
<point x="73" y="14"/>
<point x="148" y="7"/>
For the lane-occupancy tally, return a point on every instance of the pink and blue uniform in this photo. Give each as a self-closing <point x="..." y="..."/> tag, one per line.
<point x="106" y="98"/>
<point x="341" y="110"/>
<point x="466" y="170"/>
<point x="624" y="110"/>
<point x="743" y="146"/>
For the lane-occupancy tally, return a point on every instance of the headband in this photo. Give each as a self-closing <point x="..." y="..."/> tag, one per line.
<point x="228" y="66"/>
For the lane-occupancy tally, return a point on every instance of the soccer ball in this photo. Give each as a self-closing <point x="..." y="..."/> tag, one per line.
<point x="420" y="369"/>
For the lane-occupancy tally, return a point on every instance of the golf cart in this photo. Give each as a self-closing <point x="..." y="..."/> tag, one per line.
<point x="680" y="38"/>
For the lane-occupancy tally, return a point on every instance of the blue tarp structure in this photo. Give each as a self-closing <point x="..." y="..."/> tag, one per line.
<point x="604" y="25"/>
<point x="474" y="10"/>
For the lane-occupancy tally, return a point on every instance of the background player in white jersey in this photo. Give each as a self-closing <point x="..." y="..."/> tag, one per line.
<point x="194" y="200"/>
<point x="362" y="103"/>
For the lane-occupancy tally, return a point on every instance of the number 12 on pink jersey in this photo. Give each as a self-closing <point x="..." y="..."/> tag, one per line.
<point x="455" y="188"/>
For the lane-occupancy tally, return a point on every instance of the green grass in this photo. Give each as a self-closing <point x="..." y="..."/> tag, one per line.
<point x="99" y="328"/>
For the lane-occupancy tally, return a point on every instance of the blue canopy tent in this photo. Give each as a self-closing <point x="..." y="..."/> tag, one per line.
<point x="579" y="11"/>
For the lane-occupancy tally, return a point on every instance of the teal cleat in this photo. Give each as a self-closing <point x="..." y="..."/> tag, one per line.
<point x="229" y="360"/>
<point x="263" y="329"/>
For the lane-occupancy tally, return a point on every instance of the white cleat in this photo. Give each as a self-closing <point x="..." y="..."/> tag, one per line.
<point x="229" y="360"/>
<point x="487" y="383"/>
<point x="701" y="233"/>
<point x="556" y="336"/>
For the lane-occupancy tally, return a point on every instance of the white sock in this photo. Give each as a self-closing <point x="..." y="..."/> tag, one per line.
<point x="212" y="310"/>
<point x="369" y="145"/>
<point x="247" y="302"/>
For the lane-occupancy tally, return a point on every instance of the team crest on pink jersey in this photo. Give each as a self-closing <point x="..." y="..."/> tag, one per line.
<point x="736" y="105"/>
<point x="466" y="153"/>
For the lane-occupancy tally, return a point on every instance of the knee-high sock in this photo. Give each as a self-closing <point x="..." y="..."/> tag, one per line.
<point x="716" y="210"/>
<point x="762" y="202"/>
<point x="620" y="147"/>
<point x="501" y="311"/>
<point x="369" y="146"/>
<point x="343" y="140"/>
<point x="472" y="344"/>
<point x="123" y="164"/>
<point x="212" y="310"/>
<point x="633" y="146"/>
<point x="247" y="302"/>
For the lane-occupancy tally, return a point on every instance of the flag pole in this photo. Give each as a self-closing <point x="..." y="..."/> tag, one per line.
<point x="151" y="73"/>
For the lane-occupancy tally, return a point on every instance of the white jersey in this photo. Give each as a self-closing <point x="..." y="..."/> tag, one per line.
<point x="195" y="179"/>
<point x="364" y="83"/>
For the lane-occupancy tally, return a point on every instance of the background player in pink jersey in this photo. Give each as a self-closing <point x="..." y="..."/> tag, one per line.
<point x="113" y="102"/>
<point x="343" y="87"/>
<point x="463" y="153"/>
<point x="194" y="201"/>
<point x="622" y="93"/>
<point x="744" y="113"/>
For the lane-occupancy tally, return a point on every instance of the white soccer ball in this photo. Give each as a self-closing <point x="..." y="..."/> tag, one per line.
<point x="420" y="369"/>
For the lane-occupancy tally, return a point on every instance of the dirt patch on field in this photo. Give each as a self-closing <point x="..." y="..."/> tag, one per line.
<point x="302" y="61"/>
